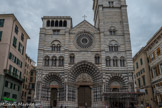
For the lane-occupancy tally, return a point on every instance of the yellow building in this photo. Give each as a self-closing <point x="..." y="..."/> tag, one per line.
<point x="148" y="72"/>
<point x="142" y="79"/>
<point x="29" y="66"/>
<point x="154" y="54"/>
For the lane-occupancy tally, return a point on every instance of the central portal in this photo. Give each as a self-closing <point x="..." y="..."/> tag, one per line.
<point x="84" y="96"/>
<point x="53" y="97"/>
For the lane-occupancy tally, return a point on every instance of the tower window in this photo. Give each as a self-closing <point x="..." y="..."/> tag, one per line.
<point x="58" y="47"/>
<point x="112" y="30"/>
<point x="46" y="61"/>
<point x="61" y="61"/>
<point x="97" y="59"/>
<point x="115" y="62"/>
<point x="56" y="32"/>
<point x="48" y="23"/>
<point x="122" y="61"/>
<point x="60" y="24"/>
<point x="54" y="61"/>
<point x="53" y="47"/>
<point x="115" y="48"/>
<point x="56" y="24"/>
<point x="108" y="61"/>
<point x="65" y="23"/>
<point x="72" y="59"/>
<point x="111" y="4"/>
<point x="52" y="23"/>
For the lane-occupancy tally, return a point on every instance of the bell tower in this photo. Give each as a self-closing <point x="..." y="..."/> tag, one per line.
<point x="110" y="17"/>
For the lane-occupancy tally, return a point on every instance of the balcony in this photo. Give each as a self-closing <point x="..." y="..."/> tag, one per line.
<point x="157" y="78"/>
<point x="13" y="75"/>
<point x="158" y="90"/>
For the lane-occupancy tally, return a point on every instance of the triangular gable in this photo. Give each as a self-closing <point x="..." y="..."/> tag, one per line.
<point x="84" y="24"/>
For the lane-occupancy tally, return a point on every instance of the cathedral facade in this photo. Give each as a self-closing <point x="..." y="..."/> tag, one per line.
<point x="86" y="65"/>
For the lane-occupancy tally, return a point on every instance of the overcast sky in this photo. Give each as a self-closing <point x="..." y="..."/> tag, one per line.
<point x="145" y="17"/>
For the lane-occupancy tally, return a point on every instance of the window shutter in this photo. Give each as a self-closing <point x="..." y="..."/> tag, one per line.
<point x="19" y="47"/>
<point x="154" y="54"/>
<point x="1" y="22"/>
<point x="10" y="55"/>
<point x="0" y="35"/>
<point x="14" y="42"/>
<point x="161" y="97"/>
<point x="158" y="51"/>
<point x="10" y="69"/>
<point x="158" y="70"/>
<point x="15" y="60"/>
<point x="23" y="51"/>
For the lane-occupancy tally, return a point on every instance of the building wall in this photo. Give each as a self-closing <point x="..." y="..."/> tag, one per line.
<point x="29" y="66"/>
<point x="30" y="96"/>
<point x="153" y="50"/>
<point x="106" y="16"/>
<point x="18" y="60"/>
<point x="142" y="70"/>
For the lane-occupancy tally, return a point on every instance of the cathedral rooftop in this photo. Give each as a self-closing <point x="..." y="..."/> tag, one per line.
<point x="56" y="17"/>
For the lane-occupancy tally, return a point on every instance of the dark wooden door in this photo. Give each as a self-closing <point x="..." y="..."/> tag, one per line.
<point x="54" y="97"/>
<point x="84" y="96"/>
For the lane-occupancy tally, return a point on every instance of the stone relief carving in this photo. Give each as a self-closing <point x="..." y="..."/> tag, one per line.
<point x="84" y="78"/>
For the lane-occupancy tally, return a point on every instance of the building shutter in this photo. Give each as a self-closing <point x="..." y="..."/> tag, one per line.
<point x="23" y="51"/>
<point x="160" y="97"/>
<point x="19" y="47"/>
<point x="0" y="35"/>
<point x="158" y="51"/>
<point x="154" y="54"/>
<point x="10" y="56"/>
<point x="157" y="70"/>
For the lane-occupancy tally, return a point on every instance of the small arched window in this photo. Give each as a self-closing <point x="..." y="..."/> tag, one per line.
<point x="56" y="23"/>
<point x="72" y="59"/>
<point x="108" y="61"/>
<point x="122" y="62"/>
<point x="61" y="61"/>
<point x="115" y="62"/>
<point x="115" y="48"/>
<point x="97" y="59"/>
<point x="48" y="23"/>
<point x="46" y="61"/>
<point x="54" y="61"/>
<point x="112" y="30"/>
<point x="52" y="23"/>
<point x="60" y="23"/>
<point x="58" y="47"/>
<point x="111" y="49"/>
<point x="53" y="47"/>
<point x="65" y="23"/>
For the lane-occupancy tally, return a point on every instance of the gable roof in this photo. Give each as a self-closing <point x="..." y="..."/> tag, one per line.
<point x="84" y="22"/>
